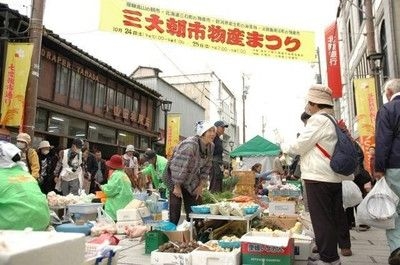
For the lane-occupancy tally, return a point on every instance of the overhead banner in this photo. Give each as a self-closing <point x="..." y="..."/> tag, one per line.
<point x="366" y="113"/>
<point x="173" y="132"/>
<point x="333" y="60"/>
<point x="16" y="72"/>
<point x="129" y="18"/>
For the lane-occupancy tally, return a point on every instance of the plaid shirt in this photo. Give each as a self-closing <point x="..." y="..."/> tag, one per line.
<point x="188" y="165"/>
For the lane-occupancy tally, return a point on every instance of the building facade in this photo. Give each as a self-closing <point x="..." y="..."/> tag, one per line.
<point x="80" y="96"/>
<point x="355" y="62"/>
<point x="209" y="91"/>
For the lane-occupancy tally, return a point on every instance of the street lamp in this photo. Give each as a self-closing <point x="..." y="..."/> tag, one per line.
<point x="231" y="144"/>
<point x="166" y="107"/>
<point x="375" y="63"/>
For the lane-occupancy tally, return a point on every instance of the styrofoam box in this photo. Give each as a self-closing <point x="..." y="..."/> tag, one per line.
<point x="122" y="224"/>
<point x="164" y="258"/>
<point x="37" y="248"/>
<point x="282" y="207"/>
<point x="128" y="215"/>
<point x="302" y="249"/>
<point x="84" y="208"/>
<point x="201" y="257"/>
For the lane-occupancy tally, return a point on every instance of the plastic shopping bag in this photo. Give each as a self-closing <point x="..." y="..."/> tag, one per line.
<point x="378" y="208"/>
<point x="351" y="194"/>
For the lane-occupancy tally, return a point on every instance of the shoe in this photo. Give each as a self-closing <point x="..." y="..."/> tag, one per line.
<point x="346" y="252"/>
<point x="363" y="227"/>
<point x="315" y="249"/>
<point x="394" y="258"/>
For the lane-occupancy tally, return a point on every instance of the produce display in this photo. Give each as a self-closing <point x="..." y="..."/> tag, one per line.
<point x="56" y="200"/>
<point x="178" y="247"/>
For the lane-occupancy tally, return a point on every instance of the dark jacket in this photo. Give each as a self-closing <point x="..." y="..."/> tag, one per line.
<point x="48" y="165"/>
<point x="387" y="137"/>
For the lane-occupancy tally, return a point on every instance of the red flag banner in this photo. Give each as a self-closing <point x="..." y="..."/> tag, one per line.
<point x="333" y="60"/>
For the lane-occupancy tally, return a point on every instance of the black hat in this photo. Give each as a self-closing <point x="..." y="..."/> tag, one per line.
<point x="149" y="154"/>
<point x="221" y="124"/>
<point x="78" y="143"/>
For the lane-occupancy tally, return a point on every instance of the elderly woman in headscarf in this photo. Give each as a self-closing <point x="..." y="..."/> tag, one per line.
<point x="188" y="170"/>
<point x="22" y="204"/>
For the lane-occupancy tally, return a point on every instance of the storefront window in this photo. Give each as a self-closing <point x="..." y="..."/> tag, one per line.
<point x="77" y="128"/>
<point x="125" y="138"/>
<point x="88" y="97"/>
<point x="128" y="102"/>
<point x="58" y="124"/>
<point x="100" y="133"/>
<point x="76" y="86"/>
<point x="120" y="99"/>
<point x="110" y="97"/>
<point x="144" y="142"/>
<point x="62" y="80"/>
<point x="100" y="95"/>
<point x="41" y="120"/>
<point x="135" y="105"/>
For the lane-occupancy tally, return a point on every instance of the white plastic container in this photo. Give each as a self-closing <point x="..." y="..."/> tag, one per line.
<point x="84" y="208"/>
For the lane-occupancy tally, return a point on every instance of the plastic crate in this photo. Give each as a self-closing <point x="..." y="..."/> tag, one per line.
<point x="154" y="239"/>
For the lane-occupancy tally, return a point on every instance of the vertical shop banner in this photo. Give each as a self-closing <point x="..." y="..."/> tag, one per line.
<point x="366" y="113"/>
<point x="176" y="27"/>
<point x="333" y="60"/>
<point x="16" y="72"/>
<point x="173" y="132"/>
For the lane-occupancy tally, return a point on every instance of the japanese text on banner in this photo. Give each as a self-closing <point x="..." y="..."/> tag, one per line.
<point x="128" y="18"/>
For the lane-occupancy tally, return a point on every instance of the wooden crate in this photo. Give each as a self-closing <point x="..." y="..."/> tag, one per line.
<point x="245" y="177"/>
<point x="244" y="190"/>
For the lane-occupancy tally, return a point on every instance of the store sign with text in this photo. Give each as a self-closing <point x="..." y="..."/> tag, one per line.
<point x="333" y="60"/>
<point x="129" y="18"/>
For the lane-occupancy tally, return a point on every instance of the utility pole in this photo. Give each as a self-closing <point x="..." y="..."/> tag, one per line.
<point x="262" y="126"/>
<point x="373" y="57"/>
<point x="35" y="37"/>
<point x="244" y="96"/>
<point x="319" y="76"/>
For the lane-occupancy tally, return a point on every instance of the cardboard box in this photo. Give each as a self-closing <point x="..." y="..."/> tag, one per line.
<point x="164" y="258"/>
<point x="37" y="248"/>
<point x="122" y="224"/>
<point x="302" y="249"/>
<point x="263" y="248"/>
<point x="128" y="215"/>
<point x="282" y="208"/>
<point x="283" y="222"/>
<point x="206" y="257"/>
<point x="178" y="236"/>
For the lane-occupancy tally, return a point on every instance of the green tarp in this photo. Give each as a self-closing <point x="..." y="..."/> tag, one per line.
<point x="257" y="146"/>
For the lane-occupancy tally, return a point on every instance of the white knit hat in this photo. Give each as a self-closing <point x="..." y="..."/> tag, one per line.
<point x="202" y="127"/>
<point x="320" y="94"/>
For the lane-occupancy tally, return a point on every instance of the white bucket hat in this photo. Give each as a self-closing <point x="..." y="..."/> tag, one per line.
<point x="44" y="144"/>
<point x="130" y="148"/>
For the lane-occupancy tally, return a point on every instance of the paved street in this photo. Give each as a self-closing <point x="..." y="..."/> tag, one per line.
<point x="369" y="247"/>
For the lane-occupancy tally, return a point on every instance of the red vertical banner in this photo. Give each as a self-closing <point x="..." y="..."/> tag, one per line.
<point x="333" y="60"/>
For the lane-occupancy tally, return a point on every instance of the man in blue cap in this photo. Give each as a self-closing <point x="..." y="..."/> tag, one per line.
<point x="216" y="172"/>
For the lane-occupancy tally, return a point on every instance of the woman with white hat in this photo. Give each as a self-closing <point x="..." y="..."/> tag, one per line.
<point x="187" y="171"/>
<point x="48" y="162"/>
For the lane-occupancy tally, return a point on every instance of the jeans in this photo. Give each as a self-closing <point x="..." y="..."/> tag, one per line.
<point x="393" y="235"/>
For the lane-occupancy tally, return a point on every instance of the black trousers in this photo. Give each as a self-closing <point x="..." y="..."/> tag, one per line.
<point x="175" y="205"/>
<point x="216" y="177"/>
<point x="328" y="218"/>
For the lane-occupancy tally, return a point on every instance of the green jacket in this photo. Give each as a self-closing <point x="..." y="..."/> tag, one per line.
<point x="118" y="191"/>
<point x="22" y="204"/>
<point x="157" y="172"/>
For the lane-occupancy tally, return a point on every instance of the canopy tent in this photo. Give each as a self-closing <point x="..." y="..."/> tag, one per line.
<point x="257" y="150"/>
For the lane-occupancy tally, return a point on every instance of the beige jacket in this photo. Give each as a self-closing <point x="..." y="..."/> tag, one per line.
<point x="314" y="165"/>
